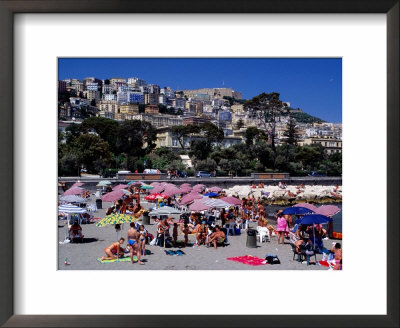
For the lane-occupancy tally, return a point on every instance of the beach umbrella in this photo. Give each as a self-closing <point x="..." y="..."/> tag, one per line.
<point x="185" y="185"/>
<point x="328" y="210"/>
<point x="165" y="210"/>
<point x="145" y="186"/>
<point x="190" y="197"/>
<point x="103" y="183"/>
<point x="155" y="184"/>
<point x="155" y="196"/>
<point x="158" y="189"/>
<point x="297" y="211"/>
<point x="232" y="200"/>
<point x="185" y="189"/>
<point x="74" y="191"/>
<point x="211" y="194"/>
<point x="216" y="203"/>
<point x="120" y="186"/>
<point x="126" y="192"/>
<point x="312" y="219"/>
<point x="113" y="195"/>
<point x="69" y="208"/>
<point x="215" y="189"/>
<point x="198" y="205"/>
<point x="117" y="218"/>
<point x="76" y="184"/>
<point x="307" y="205"/>
<point x="72" y="199"/>
<point x="198" y="187"/>
<point x="172" y="191"/>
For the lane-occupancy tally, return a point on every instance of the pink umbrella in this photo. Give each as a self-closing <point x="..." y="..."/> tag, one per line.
<point x="172" y="191"/>
<point x="307" y="205"/>
<point x="76" y="184"/>
<point x="198" y="205"/>
<point x="215" y="189"/>
<point x="158" y="189"/>
<point x="112" y="196"/>
<point x="190" y="198"/>
<point x="198" y="187"/>
<point x="155" y="184"/>
<point x="185" y="189"/>
<point x="185" y="185"/>
<point x="327" y="210"/>
<point x="74" y="191"/>
<point x="120" y="186"/>
<point x="232" y="200"/>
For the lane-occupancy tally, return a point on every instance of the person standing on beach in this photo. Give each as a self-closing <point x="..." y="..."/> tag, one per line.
<point x="133" y="241"/>
<point x="281" y="227"/>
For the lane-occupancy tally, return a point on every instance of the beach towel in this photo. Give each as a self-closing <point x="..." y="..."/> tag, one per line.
<point x="248" y="259"/>
<point x="174" y="253"/>
<point x="121" y="259"/>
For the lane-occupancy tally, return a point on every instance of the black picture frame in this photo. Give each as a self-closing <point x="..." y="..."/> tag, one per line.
<point x="10" y="7"/>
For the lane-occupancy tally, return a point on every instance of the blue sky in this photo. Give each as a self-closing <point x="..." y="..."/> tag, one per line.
<point x="312" y="84"/>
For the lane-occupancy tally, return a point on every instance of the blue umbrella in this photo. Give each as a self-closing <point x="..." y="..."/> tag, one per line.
<point x="312" y="219"/>
<point x="297" y="210"/>
<point x="211" y="194"/>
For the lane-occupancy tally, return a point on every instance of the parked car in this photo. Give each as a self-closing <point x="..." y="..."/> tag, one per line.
<point x="316" y="174"/>
<point x="203" y="174"/>
<point x="181" y="174"/>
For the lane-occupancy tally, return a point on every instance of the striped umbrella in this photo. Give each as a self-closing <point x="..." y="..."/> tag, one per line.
<point x="145" y="186"/>
<point x="116" y="219"/>
<point x="68" y="208"/>
<point x="190" y="198"/>
<point x="76" y="184"/>
<point x="103" y="183"/>
<point x="307" y="205"/>
<point x="198" y="205"/>
<point x="73" y="199"/>
<point x="327" y="210"/>
<point x="231" y="200"/>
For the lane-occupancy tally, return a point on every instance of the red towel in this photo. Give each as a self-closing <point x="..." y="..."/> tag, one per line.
<point x="247" y="259"/>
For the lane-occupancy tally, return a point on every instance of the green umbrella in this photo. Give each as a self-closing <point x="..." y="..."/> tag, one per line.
<point x="103" y="183"/>
<point x="145" y="186"/>
<point x="116" y="219"/>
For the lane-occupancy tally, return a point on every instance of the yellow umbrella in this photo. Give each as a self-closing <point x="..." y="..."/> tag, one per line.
<point x="116" y="219"/>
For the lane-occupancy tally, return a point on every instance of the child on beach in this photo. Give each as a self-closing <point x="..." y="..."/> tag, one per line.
<point x="175" y="233"/>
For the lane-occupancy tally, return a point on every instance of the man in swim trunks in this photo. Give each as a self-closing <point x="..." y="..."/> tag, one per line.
<point x="216" y="237"/>
<point x="133" y="242"/>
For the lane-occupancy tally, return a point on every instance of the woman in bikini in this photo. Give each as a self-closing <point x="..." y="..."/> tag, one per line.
<point x="114" y="248"/>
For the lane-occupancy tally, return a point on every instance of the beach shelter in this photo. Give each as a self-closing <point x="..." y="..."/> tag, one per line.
<point x="74" y="191"/>
<point x="211" y="194"/>
<point x="71" y="209"/>
<point x="215" y="189"/>
<point x="307" y="205"/>
<point x="158" y="189"/>
<point x="73" y="199"/>
<point x="103" y="183"/>
<point x="145" y="186"/>
<point x="120" y="186"/>
<point x="190" y="197"/>
<point x="198" y="187"/>
<point x="172" y="191"/>
<point x="216" y="203"/>
<point x="297" y="211"/>
<point x="185" y="185"/>
<point x="327" y="210"/>
<point x="165" y="210"/>
<point x="116" y="218"/>
<point x="231" y="200"/>
<point x="76" y="184"/>
<point x="113" y="195"/>
<point x="311" y="219"/>
<point x="198" y="205"/>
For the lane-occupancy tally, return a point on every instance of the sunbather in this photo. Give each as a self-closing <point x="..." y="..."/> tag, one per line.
<point x="216" y="237"/>
<point x="114" y="249"/>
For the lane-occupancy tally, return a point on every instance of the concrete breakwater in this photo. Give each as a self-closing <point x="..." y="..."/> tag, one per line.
<point x="222" y="182"/>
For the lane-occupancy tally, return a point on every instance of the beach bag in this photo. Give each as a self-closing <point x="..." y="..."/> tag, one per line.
<point x="272" y="259"/>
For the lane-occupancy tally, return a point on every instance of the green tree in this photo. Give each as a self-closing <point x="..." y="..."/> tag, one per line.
<point x="212" y="133"/>
<point x="310" y="156"/>
<point x="200" y="149"/>
<point x="239" y="124"/>
<point x="252" y="134"/>
<point x="72" y="131"/>
<point x="291" y="133"/>
<point x="182" y="131"/>
<point x="104" y="127"/>
<point x="92" y="150"/>
<point x="267" y="107"/>
<point x="206" y="165"/>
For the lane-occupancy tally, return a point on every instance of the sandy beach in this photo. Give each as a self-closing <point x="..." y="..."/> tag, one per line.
<point x="83" y="256"/>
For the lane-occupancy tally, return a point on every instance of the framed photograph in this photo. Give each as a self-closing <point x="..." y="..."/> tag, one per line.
<point x="242" y="76"/>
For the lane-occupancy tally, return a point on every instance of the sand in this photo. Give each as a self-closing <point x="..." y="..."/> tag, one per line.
<point x="84" y="256"/>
